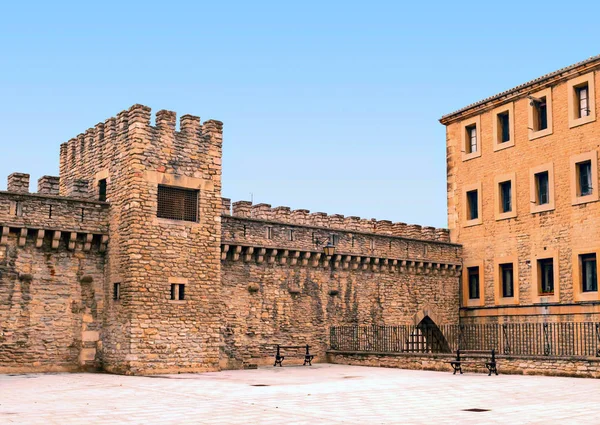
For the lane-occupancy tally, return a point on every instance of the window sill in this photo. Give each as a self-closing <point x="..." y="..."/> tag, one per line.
<point x="503" y="145"/>
<point x="545" y="299"/>
<point x="177" y="301"/>
<point x="586" y="296"/>
<point x="506" y="215"/>
<point x="171" y="222"/>
<point x="474" y="222"/>
<point x="476" y="302"/>
<point x="538" y="134"/>
<point x="507" y="301"/>
<point x="584" y="199"/>
<point x="469" y="156"/>
<point x="581" y="121"/>
<point x="542" y="208"/>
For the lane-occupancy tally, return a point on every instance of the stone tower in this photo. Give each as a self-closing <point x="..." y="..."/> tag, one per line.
<point x="162" y="277"/>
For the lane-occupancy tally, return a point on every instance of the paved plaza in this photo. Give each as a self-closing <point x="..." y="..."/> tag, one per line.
<point x="322" y="394"/>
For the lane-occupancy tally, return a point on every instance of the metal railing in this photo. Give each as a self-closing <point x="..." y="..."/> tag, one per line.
<point x="566" y="339"/>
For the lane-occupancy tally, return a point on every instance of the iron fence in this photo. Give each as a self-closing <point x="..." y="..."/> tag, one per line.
<point x="566" y="339"/>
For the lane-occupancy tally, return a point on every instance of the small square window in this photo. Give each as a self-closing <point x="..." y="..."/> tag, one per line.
<point x="542" y="188"/>
<point x="546" y="276"/>
<point x="472" y="205"/>
<point x="102" y="190"/>
<point x="116" y="291"/>
<point x="589" y="277"/>
<point x="506" y="196"/>
<point x="507" y="275"/>
<point x="177" y="291"/>
<point x="177" y="204"/>
<point x="473" y="281"/>
<point x="584" y="178"/>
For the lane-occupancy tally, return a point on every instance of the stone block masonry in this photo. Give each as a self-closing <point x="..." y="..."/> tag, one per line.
<point x="162" y="277"/>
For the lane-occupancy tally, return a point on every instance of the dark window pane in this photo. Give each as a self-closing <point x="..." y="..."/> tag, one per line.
<point x="543" y="194"/>
<point x="177" y="204"/>
<point x="471" y="139"/>
<point x="506" y="271"/>
<point x="506" y="195"/>
<point x="542" y="114"/>
<point x="504" y="126"/>
<point x="472" y="204"/>
<point x="546" y="270"/>
<point x="584" y="169"/>
<point x="102" y="190"/>
<point x="589" y="278"/>
<point x="473" y="276"/>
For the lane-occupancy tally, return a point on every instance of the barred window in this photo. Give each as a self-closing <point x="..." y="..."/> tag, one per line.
<point x="177" y="204"/>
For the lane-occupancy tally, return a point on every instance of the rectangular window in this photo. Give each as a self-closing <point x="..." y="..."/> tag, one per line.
<point x="102" y="190"/>
<point x="581" y="93"/>
<point x="269" y="232"/>
<point x="471" y="139"/>
<point x="504" y="127"/>
<point x="540" y="114"/>
<point x="507" y="275"/>
<point x="542" y="188"/>
<point x="116" y="291"/>
<point x="472" y="205"/>
<point x="584" y="178"/>
<point x="177" y="291"/>
<point x="177" y="204"/>
<point x="290" y="234"/>
<point x="589" y="278"/>
<point x="473" y="275"/>
<point x="506" y="196"/>
<point x="546" y="274"/>
<point x="334" y="239"/>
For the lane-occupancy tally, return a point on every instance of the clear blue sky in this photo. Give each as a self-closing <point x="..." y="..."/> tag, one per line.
<point x="329" y="106"/>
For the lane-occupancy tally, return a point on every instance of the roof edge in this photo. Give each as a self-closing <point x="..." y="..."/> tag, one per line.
<point x="448" y="118"/>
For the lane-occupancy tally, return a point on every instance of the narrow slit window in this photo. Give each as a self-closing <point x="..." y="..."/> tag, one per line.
<point x="102" y="190"/>
<point x="471" y="139"/>
<point x="506" y="196"/>
<point x="177" y="204"/>
<point x="542" y="188"/>
<point x="472" y="205"/>
<point x="581" y="93"/>
<point x="546" y="274"/>
<point x="540" y="112"/>
<point x="584" y="178"/>
<point x="290" y="234"/>
<point x="269" y="232"/>
<point x="116" y="291"/>
<point x="589" y="273"/>
<point x="507" y="275"/>
<point x="473" y="280"/>
<point x="504" y="127"/>
<point x="177" y="291"/>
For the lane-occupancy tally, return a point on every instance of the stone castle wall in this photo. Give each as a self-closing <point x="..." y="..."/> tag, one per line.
<point x="280" y="288"/>
<point x="145" y="331"/>
<point x="51" y="275"/>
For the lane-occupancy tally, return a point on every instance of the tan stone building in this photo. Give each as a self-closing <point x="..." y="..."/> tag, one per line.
<point x="523" y="199"/>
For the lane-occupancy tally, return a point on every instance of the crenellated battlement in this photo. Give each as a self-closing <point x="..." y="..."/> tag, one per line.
<point x="282" y="214"/>
<point x="131" y="131"/>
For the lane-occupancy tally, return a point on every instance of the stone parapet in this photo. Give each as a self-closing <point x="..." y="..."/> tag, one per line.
<point x="18" y="182"/>
<point x="284" y="214"/>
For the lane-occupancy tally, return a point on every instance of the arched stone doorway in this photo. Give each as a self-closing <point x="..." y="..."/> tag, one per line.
<point x="427" y="337"/>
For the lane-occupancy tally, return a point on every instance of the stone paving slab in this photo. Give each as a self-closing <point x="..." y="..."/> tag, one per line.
<point x="322" y="394"/>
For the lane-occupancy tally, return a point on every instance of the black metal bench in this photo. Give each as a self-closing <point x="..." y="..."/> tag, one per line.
<point x="307" y="356"/>
<point x="488" y="362"/>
